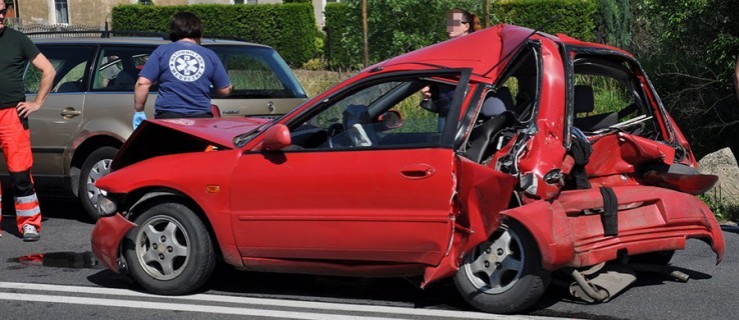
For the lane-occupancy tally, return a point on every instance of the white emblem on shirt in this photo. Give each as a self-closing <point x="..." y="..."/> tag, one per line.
<point x="186" y="65"/>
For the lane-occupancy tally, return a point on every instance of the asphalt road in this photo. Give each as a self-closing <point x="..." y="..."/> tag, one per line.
<point x="67" y="283"/>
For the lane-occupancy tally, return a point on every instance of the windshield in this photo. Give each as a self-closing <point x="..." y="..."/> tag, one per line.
<point x="258" y="72"/>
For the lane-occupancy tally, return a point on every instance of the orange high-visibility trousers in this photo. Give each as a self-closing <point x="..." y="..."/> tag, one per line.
<point x="15" y="141"/>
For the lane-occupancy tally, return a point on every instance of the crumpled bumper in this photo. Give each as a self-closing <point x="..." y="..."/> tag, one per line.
<point x="569" y="232"/>
<point x="106" y="239"/>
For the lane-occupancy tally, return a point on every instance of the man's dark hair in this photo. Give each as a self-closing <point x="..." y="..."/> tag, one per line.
<point x="185" y="25"/>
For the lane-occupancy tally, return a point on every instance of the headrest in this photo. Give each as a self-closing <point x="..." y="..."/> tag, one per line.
<point x="504" y="94"/>
<point x="492" y="107"/>
<point x="584" y="100"/>
<point x="355" y="113"/>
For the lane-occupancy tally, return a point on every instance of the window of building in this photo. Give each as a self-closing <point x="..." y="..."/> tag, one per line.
<point x="61" y="9"/>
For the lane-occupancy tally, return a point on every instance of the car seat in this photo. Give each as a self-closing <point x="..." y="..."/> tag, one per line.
<point x="125" y="80"/>
<point x="585" y="103"/>
<point x="494" y="118"/>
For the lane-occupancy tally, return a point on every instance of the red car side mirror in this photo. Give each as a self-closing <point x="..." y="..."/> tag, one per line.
<point x="276" y="138"/>
<point x="391" y="120"/>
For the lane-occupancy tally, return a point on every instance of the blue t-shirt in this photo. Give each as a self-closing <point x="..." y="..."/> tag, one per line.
<point x="185" y="71"/>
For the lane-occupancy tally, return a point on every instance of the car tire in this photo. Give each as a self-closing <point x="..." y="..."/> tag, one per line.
<point x="95" y="167"/>
<point x="169" y="251"/>
<point x="504" y="274"/>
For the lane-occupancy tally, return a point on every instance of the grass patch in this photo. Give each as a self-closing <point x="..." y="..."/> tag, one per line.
<point x="315" y="82"/>
<point x="724" y="211"/>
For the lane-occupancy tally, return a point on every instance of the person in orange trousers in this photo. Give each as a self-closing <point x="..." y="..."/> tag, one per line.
<point x="15" y="138"/>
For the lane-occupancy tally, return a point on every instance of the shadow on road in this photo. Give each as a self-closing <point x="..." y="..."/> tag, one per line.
<point x="383" y="291"/>
<point x="397" y="291"/>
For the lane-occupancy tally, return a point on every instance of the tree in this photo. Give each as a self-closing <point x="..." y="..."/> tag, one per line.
<point x="690" y="48"/>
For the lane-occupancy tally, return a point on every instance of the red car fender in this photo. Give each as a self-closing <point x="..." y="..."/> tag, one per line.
<point x="186" y="179"/>
<point x="106" y="239"/>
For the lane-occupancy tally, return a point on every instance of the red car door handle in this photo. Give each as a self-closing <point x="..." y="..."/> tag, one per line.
<point x="417" y="171"/>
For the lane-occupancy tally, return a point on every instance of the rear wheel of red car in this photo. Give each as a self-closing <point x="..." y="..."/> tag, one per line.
<point x="170" y="250"/>
<point x="503" y="274"/>
<point x="95" y="167"/>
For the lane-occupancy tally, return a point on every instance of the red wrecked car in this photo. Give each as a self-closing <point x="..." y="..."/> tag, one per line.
<point x="507" y="170"/>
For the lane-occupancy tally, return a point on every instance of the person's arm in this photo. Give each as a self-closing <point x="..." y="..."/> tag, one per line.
<point x="141" y="93"/>
<point x="47" y="79"/>
<point x="222" y="92"/>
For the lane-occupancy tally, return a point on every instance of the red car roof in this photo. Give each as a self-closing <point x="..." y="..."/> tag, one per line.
<point x="481" y="50"/>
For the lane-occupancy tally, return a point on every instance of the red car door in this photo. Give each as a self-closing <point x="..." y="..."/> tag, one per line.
<point x="384" y="205"/>
<point x="350" y="187"/>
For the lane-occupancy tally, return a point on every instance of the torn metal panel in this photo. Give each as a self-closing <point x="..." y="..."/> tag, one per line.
<point x="482" y="194"/>
<point x="621" y="152"/>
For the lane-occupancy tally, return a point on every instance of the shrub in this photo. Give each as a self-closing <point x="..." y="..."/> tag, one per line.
<point x="288" y="28"/>
<point x="575" y="18"/>
<point x="395" y="27"/>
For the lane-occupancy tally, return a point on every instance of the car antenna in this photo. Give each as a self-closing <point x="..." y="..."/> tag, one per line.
<point x="520" y="44"/>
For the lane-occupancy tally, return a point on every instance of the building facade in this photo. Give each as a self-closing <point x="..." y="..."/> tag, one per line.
<point x="95" y="13"/>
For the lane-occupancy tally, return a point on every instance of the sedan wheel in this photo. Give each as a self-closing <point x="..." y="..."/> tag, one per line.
<point x="170" y="251"/>
<point x="503" y="274"/>
<point x="95" y="167"/>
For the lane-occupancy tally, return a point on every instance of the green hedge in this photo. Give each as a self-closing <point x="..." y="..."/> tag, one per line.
<point x="396" y="27"/>
<point x="289" y="28"/>
<point x="575" y="18"/>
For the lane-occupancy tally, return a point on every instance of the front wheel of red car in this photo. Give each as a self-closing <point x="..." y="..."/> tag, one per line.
<point x="170" y="251"/>
<point x="503" y="274"/>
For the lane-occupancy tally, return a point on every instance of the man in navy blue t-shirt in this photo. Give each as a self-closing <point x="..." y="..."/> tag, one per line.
<point x="185" y="71"/>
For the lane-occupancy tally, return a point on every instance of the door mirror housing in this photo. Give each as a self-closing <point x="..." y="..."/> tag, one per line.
<point x="275" y="138"/>
<point x="391" y="120"/>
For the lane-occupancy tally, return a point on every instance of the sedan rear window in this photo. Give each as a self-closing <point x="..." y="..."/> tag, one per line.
<point x="257" y="72"/>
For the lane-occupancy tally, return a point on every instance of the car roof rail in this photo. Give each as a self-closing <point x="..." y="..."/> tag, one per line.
<point x="101" y="33"/>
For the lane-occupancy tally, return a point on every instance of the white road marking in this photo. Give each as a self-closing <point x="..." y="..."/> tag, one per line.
<point x="251" y="301"/>
<point x="181" y="307"/>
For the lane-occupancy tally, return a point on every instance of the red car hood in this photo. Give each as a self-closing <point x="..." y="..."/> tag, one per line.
<point x="219" y="131"/>
<point x="172" y="136"/>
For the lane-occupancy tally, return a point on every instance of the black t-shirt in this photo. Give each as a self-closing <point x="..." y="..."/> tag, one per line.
<point x="17" y="48"/>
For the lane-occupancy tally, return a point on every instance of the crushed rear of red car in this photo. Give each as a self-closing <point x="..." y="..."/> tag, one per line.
<point x="511" y="173"/>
